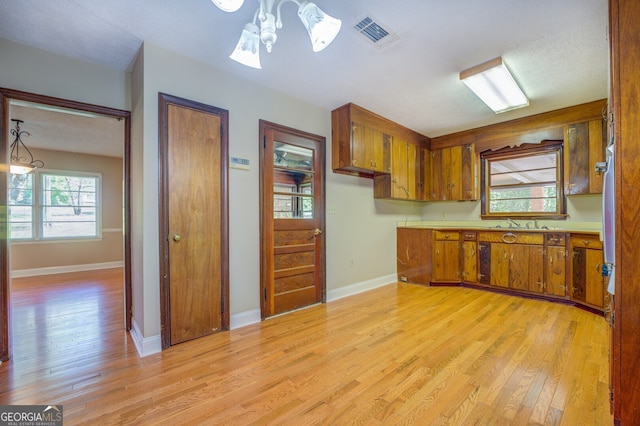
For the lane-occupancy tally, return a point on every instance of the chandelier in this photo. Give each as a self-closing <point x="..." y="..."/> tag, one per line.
<point x="321" y="27"/>
<point x="22" y="161"/>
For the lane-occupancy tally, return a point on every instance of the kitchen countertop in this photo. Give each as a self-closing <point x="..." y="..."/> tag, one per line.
<point x="576" y="227"/>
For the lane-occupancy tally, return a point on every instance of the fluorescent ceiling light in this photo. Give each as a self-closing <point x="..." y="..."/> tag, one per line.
<point x="492" y="82"/>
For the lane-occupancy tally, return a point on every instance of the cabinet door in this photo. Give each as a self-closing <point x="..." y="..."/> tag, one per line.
<point x="437" y="176"/>
<point x="594" y="286"/>
<point x="452" y="159"/>
<point x="423" y="174"/>
<point x="446" y="265"/>
<point x="518" y="266"/>
<point x="584" y="146"/>
<point x="369" y="148"/>
<point x="399" y="170"/>
<point x="556" y="271"/>
<point x="413" y="254"/>
<point x="469" y="262"/>
<point x="411" y="166"/>
<point x="499" y="265"/>
<point x="484" y="260"/>
<point x="536" y="269"/>
<point x="468" y="181"/>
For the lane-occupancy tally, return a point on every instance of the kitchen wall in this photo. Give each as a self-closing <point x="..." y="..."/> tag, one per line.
<point x="362" y="229"/>
<point x="42" y="257"/>
<point x="584" y="212"/>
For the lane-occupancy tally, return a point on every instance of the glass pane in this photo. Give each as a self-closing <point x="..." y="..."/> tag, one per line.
<point x="532" y="199"/>
<point x="69" y="221"/>
<point x="21" y="222"/>
<point x="524" y="170"/>
<point x="21" y="189"/>
<point x="292" y="156"/>
<point x="292" y="181"/>
<point x="292" y="207"/>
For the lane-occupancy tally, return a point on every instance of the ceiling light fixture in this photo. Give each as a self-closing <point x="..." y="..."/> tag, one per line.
<point x="321" y="27"/>
<point x="493" y="83"/>
<point x="20" y="163"/>
<point x="228" y="5"/>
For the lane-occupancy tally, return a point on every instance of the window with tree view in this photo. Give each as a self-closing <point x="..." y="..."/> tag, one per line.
<point x="524" y="181"/>
<point x="47" y="205"/>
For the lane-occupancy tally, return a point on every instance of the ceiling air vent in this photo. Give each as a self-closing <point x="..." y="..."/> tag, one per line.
<point x="374" y="31"/>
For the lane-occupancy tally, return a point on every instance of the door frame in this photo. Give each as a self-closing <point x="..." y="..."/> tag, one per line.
<point x="164" y="100"/>
<point x="264" y="288"/>
<point x="6" y="95"/>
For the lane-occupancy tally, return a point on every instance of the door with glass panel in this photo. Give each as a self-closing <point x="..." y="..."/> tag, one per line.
<point x="292" y="219"/>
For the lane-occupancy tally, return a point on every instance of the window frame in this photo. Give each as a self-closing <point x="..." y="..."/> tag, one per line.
<point x="524" y="150"/>
<point x="38" y="206"/>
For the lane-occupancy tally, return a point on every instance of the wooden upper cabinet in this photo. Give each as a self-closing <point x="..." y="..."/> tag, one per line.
<point x="585" y="145"/>
<point x="362" y="141"/>
<point x="369" y="149"/>
<point x="408" y="178"/>
<point x="453" y="173"/>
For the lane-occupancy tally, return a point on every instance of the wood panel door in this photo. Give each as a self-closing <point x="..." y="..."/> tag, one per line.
<point x="292" y="224"/>
<point x="194" y="224"/>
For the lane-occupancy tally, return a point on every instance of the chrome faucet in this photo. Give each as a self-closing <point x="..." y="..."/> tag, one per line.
<point x="512" y="223"/>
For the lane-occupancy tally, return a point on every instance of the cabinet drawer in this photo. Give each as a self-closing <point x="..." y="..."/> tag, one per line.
<point x="469" y="235"/>
<point x="586" y="241"/>
<point x="446" y="235"/>
<point x="555" y="239"/>
<point x="511" y="237"/>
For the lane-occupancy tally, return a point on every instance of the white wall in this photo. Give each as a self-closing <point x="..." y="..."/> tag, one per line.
<point x="361" y="229"/>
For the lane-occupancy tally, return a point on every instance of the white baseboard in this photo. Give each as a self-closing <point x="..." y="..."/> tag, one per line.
<point x="360" y="287"/>
<point x="245" y="318"/>
<point x="144" y="345"/>
<point x="19" y="273"/>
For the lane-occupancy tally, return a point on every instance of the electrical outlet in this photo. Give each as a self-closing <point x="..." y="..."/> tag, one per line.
<point x="352" y="262"/>
<point x="332" y="210"/>
<point x="444" y="215"/>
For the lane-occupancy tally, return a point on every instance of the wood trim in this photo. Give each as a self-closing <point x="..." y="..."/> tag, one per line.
<point x="531" y="129"/>
<point x="164" y="100"/>
<point x="266" y="215"/>
<point x="7" y="94"/>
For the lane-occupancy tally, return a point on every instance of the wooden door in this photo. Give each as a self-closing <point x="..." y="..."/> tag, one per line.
<point x="519" y="266"/>
<point x="556" y="271"/>
<point x="536" y="268"/>
<point x="399" y="171"/>
<point x="594" y="283"/>
<point x="194" y="220"/>
<point x="500" y="264"/>
<point x="438" y="180"/>
<point x="484" y="262"/>
<point x="453" y="172"/>
<point x="469" y="262"/>
<point x="292" y="219"/>
<point x="446" y="267"/>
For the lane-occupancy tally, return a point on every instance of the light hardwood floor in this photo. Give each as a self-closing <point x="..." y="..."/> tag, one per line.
<point x="400" y="354"/>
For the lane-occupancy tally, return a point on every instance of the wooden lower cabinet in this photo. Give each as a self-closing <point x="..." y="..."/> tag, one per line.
<point x="469" y="257"/>
<point x="554" y="265"/>
<point x="587" y="282"/>
<point x="446" y="256"/>
<point x="413" y="255"/>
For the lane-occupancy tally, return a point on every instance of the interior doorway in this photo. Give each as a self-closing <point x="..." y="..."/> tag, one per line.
<point x="292" y="219"/>
<point x="194" y="224"/>
<point x="16" y="99"/>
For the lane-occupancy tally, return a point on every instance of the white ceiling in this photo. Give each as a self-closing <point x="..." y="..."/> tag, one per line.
<point x="557" y="50"/>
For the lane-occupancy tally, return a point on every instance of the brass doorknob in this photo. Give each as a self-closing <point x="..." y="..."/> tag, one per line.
<point x="176" y="237"/>
<point x="317" y="231"/>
